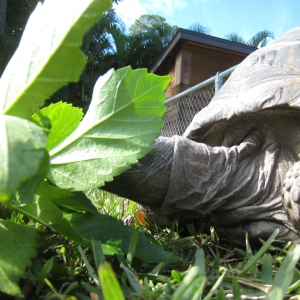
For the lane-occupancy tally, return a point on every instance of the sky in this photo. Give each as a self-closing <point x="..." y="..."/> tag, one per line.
<point x="221" y="16"/>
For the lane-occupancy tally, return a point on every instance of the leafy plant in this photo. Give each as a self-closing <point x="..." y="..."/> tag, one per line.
<point x="48" y="157"/>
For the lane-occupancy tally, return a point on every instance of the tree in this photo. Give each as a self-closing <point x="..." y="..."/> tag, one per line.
<point x="259" y="39"/>
<point x="13" y="17"/>
<point x="151" y="26"/>
<point x="150" y="34"/>
<point x="104" y="46"/>
<point x="197" y="27"/>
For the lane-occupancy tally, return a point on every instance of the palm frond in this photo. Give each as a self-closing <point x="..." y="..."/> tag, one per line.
<point x="260" y="38"/>
<point x="234" y="37"/>
<point x="199" y="28"/>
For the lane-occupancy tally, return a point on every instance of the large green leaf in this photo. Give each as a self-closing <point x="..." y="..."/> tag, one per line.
<point x="22" y="146"/>
<point x="77" y="201"/>
<point x="64" y="119"/>
<point x="46" y="212"/>
<point x="120" y="127"/>
<point x="106" y="228"/>
<point x="15" y="254"/>
<point x="48" y="56"/>
<point x="28" y="188"/>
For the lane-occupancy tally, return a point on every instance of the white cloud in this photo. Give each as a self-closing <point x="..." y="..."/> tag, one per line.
<point x="130" y="10"/>
<point x="167" y="7"/>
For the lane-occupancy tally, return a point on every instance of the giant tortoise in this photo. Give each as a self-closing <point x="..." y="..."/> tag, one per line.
<point x="238" y="160"/>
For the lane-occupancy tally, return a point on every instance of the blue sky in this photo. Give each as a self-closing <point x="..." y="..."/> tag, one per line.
<point x="221" y="16"/>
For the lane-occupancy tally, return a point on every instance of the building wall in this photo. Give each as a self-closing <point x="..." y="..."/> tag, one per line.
<point x="193" y="65"/>
<point x="206" y="63"/>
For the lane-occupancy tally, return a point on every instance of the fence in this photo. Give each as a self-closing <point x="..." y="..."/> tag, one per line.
<point x="182" y="108"/>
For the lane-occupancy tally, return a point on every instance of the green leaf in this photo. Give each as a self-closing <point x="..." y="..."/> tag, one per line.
<point x="47" y="267"/>
<point x="15" y="254"/>
<point x="45" y="212"/>
<point x="22" y="146"/>
<point x="48" y="56"/>
<point x="120" y="127"/>
<point x="77" y="201"/>
<point x="64" y="120"/>
<point x="105" y="228"/>
<point x="177" y="276"/>
<point x="109" y="284"/>
<point x="28" y="188"/>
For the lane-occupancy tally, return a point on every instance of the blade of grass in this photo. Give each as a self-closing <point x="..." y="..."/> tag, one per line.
<point x="91" y="289"/>
<point x="216" y="285"/>
<point x="266" y="269"/>
<point x="98" y="253"/>
<point x="194" y="291"/>
<point x="171" y="233"/>
<point x="200" y="261"/>
<point x="109" y="284"/>
<point x="191" y="276"/>
<point x="90" y="270"/>
<point x="284" y="275"/>
<point x="70" y="288"/>
<point x="221" y="295"/>
<point x="235" y="289"/>
<point x="133" y="280"/>
<point x="260" y="252"/>
<point x="132" y="245"/>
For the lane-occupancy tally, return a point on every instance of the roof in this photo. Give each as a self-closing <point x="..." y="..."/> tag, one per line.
<point x="183" y="36"/>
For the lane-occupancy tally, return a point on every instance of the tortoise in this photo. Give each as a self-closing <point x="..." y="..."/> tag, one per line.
<point x="238" y="161"/>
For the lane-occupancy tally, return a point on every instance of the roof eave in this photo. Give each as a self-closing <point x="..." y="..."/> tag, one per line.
<point x="184" y="34"/>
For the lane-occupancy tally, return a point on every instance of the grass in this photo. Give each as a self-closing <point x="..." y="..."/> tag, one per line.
<point x="208" y="270"/>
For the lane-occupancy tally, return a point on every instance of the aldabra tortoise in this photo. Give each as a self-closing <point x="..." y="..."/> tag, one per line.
<point x="238" y="159"/>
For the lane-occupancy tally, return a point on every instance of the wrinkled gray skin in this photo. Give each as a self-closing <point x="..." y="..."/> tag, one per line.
<point x="238" y="160"/>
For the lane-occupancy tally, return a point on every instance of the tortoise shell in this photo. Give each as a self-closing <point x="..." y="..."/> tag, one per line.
<point x="267" y="79"/>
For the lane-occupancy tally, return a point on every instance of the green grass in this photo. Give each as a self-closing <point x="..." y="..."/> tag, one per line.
<point x="208" y="270"/>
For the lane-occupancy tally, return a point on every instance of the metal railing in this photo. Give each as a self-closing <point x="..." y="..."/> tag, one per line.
<point x="182" y="107"/>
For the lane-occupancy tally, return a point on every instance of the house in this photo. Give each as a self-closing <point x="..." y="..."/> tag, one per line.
<point x="193" y="57"/>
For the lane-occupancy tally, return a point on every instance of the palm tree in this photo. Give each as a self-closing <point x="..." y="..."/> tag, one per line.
<point x="197" y="27"/>
<point x="149" y="35"/>
<point x="259" y="39"/>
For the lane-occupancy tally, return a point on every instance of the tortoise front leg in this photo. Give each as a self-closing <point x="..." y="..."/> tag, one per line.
<point x="291" y="195"/>
<point x="148" y="180"/>
<point x="256" y="230"/>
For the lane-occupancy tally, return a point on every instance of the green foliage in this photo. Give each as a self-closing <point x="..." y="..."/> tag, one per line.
<point x="153" y="27"/>
<point x="109" y="230"/>
<point x="197" y="27"/>
<point x="61" y="127"/>
<point x="123" y="120"/>
<point x="21" y="152"/>
<point x="15" y="254"/>
<point x="110" y="285"/>
<point x="120" y="126"/>
<point x="261" y="38"/>
<point x="96" y="252"/>
<point x="53" y="53"/>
